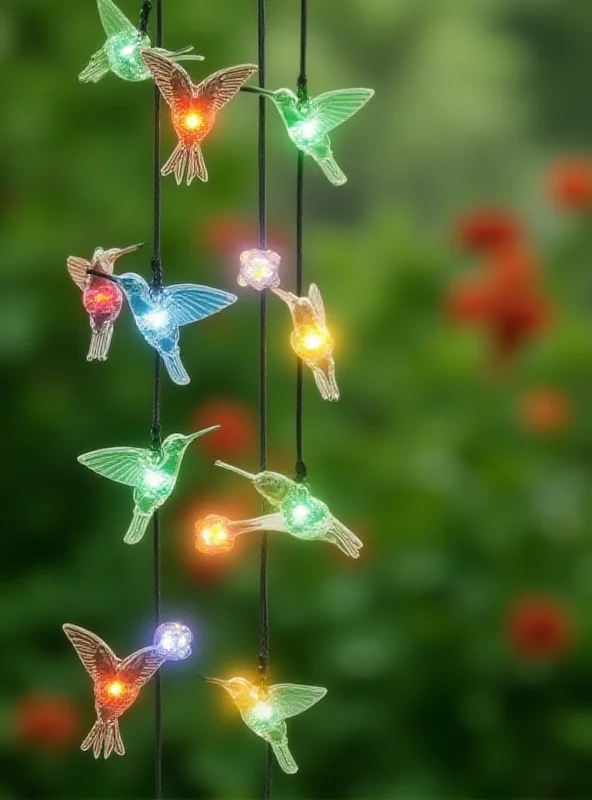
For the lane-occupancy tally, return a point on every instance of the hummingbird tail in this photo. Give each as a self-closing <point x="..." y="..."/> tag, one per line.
<point x="96" y="738"/>
<point x="186" y="159"/>
<point x="332" y="171"/>
<point x="113" y="740"/>
<point x="285" y="757"/>
<point x="346" y="540"/>
<point x="176" y="369"/>
<point x="326" y="383"/>
<point x="100" y="342"/>
<point x="138" y="526"/>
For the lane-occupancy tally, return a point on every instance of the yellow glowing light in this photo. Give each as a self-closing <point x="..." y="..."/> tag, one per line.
<point x="216" y="534"/>
<point x="115" y="689"/>
<point x="193" y="121"/>
<point x="313" y="341"/>
<point x="213" y="535"/>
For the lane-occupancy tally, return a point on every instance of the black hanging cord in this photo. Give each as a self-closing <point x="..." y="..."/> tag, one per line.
<point x="301" y="470"/>
<point x="263" y="402"/>
<point x="156" y="430"/>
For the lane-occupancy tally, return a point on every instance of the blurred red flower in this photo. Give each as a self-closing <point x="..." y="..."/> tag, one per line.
<point x="47" y="721"/>
<point x="545" y="410"/>
<point x="506" y="300"/>
<point x="539" y="628"/>
<point x="570" y="183"/>
<point x="486" y="229"/>
<point x="237" y="436"/>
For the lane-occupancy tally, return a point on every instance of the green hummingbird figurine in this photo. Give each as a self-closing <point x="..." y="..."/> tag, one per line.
<point x="153" y="474"/>
<point x="121" y="52"/>
<point x="310" y="120"/>
<point x="299" y="513"/>
<point x="264" y="709"/>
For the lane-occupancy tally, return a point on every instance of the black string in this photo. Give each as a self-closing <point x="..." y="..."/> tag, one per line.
<point x="301" y="470"/>
<point x="156" y="431"/>
<point x="263" y="395"/>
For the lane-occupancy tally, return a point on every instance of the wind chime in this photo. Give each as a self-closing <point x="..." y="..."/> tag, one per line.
<point x="159" y="312"/>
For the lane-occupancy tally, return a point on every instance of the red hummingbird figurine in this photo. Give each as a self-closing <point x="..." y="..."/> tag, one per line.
<point x="117" y="683"/>
<point x="101" y="298"/>
<point x="194" y="108"/>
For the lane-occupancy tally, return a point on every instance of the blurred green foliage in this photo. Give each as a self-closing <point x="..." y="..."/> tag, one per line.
<point x="461" y="508"/>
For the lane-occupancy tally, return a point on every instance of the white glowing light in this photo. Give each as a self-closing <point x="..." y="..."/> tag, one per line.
<point x="128" y="50"/>
<point x="154" y="479"/>
<point x="156" y="319"/>
<point x="300" y="513"/>
<point x="308" y="129"/>
<point x="264" y="711"/>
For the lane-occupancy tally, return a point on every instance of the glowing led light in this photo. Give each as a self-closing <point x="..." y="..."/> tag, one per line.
<point x="153" y="474"/>
<point x="259" y="269"/>
<point x="309" y="121"/>
<point x="116" y="682"/>
<point x="311" y="339"/>
<point x="213" y="536"/>
<point x="298" y="512"/>
<point x="121" y="53"/>
<point x="183" y="96"/>
<point x="102" y="299"/>
<point x="172" y="641"/>
<point x="156" y="319"/>
<point x="265" y="711"/>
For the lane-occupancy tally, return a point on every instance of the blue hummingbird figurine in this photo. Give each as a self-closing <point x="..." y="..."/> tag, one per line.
<point x="160" y="312"/>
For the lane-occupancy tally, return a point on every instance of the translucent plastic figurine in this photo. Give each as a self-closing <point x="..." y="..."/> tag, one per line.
<point x="159" y="313"/>
<point x="299" y="513"/>
<point x="101" y="298"/>
<point x="215" y="534"/>
<point x="117" y="683"/>
<point x="309" y="121"/>
<point x="152" y="473"/>
<point x="194" y="108"/>
<point x="259" y="269"/>
<point x="311" y="339"/>
<point x="172" y="641"/>
<point x="121" y="52"/>
<point x="265" y="710"/>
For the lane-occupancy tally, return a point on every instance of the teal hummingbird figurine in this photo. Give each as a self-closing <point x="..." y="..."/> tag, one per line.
<point x="160" y="312"/>
<point x="310" y="120"/>
<point x="152" y="473"/>
<point x="299" y="513"/>
<point x="265" y="709"/>
<point x="121" y="52"/>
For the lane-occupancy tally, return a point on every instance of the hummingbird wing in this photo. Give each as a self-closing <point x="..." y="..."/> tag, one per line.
<point x="292" y="699"/>
<point x="114" y="21"/>
<point x="314" y="295"/>
<point x="97" y="68"/>
<point x="172" y="80"/>
<point x="141" y="666"/>
<point x="332" y="108"/>
<point x="190" y="303"/>
<point x="221" y="87"/>
<point x="122" y="464"/>
<point x="96" y="656"/>
<point x="77" y="269"/>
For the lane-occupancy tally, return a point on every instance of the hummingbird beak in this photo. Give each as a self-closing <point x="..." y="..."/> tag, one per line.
<point x="258" y="90"/>
<point x="100" y="274"/>
<point x="287" y="297"/>
<point x="194" y="436"/>
<point x="238" y="471"/>
<point x="125" y="250"/>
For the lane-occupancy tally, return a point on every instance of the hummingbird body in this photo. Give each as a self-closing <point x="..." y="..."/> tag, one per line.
<point x="116" y="683"/>
<point x="264" y="710"/>
<point x="152" y="473"/>
<point x="194" y="108"/>
<point x="121" y="53"/>
<point x="298" y="512"/>
<point x="101" y="297"/>
<point x="310" y="120"/>
<point x="311" y="339"/>
<point x="160" y="312"/>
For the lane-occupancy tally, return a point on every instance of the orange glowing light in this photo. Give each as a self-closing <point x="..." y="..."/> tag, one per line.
<point x="192" y="121"/>
<point x="213" y="536"/>
<point x="115" y="689"/>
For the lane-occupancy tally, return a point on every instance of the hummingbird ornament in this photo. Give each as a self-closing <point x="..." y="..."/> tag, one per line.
<point x="121" y="52"/>
<point x="117" y="683"/>
<point x="159" y="312"/>
<point x="152" y="473"/>
<point x="311" y="340"/>
<point x="265" y="709"/>
<point x="310" y="120"/>
<point x="194" y="108"/>
<point x="101" y="298"/>
<point x="299" y="513"/>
